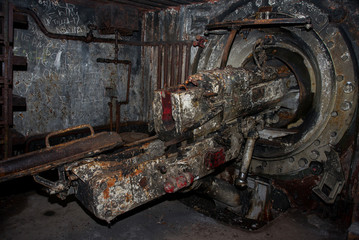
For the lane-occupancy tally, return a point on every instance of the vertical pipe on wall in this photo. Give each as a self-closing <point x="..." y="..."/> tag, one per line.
<point x="188" y="57"/>
<point x="180" y="63"/>
<point x="165" y="79"/>
<point x="173" y="58"/>
<point x="159" y="67"/>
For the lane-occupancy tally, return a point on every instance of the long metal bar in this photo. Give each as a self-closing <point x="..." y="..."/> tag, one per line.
<point x="188" y="58"/>
<point x="258" y="23"/>
<point x="165" y="66"/>
<point x="227" y="48"/>
<point x="151" y="3"/>
<point x="179" y="63"/>
<point x="173" y="59"/>
<point x="45" y="159"/>
<point x="159" y="67"/>
<point x="7" y="96"/>
<point x="135" y="4"/>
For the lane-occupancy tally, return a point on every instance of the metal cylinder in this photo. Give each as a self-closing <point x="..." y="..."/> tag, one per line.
<point x="246" y="160"/>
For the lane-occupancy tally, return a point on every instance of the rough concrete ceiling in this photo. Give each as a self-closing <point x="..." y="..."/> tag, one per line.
<point x="141" y="5"/>
<point x="157" y="4"/>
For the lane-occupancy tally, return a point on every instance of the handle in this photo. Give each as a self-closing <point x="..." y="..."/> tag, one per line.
<point x="67" y="130"/>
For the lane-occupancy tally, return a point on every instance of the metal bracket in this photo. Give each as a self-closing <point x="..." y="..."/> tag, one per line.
<point x="333" y="179"/>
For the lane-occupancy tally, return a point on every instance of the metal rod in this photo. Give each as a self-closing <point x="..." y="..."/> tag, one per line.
<point x="258" y="23"/>
<point x="165" y="71"/>
<point x="188" y="57"/>
<point x="173" y="58"/>
<point x="118" y="116"/>
<point x="150" y="3"/>
<point x="7" y="97"/>
<point x="246" y="160"/>
<point x="159" y="67"/>
<point x="227" y="48"/>
<point x="45" y="159"/>
<point x="180" y="63"/>
<point x="111" y="114"/>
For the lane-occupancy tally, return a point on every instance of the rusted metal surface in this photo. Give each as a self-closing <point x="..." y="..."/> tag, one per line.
<point x="130" y="137"/>
<point x="227" y="48"/>
<point x="173" y="59"/>
<point x="9" y="21"/>
<point x="299" y="191"/>
<point x="159" y="67"/>
<point x="246" y="159"/>
<point x="185" y="108"/>
<point x="60" y="132"/>
<point x="134" y="181"/>
<point x="171" y="65"/>
<point x="174" y="184"/>
<point x="6" y="83"/>
<point x="52" y="157"/>
<point x="252" y="23"/>
<point x="200" y="42"/>
<point x="180" y="64"/>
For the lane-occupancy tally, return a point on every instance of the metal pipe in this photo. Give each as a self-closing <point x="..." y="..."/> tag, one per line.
<point x="221" y="191"/>
<point x="227" y="48"/>
<point x="150" y="3"/>
<point x="111" y="114"/>
<point x="159" y="67"/>
<point x="165" y="71"/>
<point x="7" y="74"/>
<point x="118" y="116"/>
<point x="258" y="23"/>
<point x="188" y="58"/>
<point x="173" y="58"/>
<point x="180" y="63"/>
<point x="246" y="160"/>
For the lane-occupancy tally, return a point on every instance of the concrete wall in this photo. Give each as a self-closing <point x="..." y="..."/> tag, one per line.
<point x="64" y="85"/>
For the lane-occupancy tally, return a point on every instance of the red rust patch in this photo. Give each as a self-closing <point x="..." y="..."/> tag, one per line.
<point x="143" y="182"/>
<point x="106" y="193"/>
<point x="299" y="191"/>
<point x="214" y="159"/>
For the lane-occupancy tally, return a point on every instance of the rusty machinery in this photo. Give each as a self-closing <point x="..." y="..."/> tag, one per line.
<point x="275" y="116"/>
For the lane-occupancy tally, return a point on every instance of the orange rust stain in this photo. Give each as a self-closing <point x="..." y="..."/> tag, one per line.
<point x="137" y="172"/>
<point x="128" y="197"/>
<point x="106" y="193"/>
<point x="110" y="183"/>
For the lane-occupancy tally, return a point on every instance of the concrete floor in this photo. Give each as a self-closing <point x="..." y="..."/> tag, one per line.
<point x="26" y="214"/>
